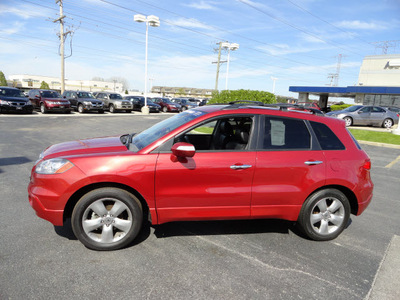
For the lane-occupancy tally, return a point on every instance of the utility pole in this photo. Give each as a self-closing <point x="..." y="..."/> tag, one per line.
<point x="62" y="38"/>
<point x="218" y="63"/>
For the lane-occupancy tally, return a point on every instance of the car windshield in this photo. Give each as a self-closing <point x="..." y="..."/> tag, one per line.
<point x="84" y="95"/>
<point x="166" y="100"/>
<point x="157" y="131"/>
<point x="352" y="108"/>
<point x="115" y="96"/>
<point x="11" y="93"/>
<point x="50" y="94"/>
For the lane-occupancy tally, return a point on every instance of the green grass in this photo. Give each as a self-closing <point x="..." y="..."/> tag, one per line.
<point x="374" y="136"/>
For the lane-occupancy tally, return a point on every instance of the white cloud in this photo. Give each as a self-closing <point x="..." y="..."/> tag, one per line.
<point x="24" y="11"/>
<point x="192" y="23"/>
<point x="202" y="5"/>
<point x="361" y="25"/>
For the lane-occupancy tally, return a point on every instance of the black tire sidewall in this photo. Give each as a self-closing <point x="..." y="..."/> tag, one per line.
<point x="127" y="198"/>
<point x="304" y="216"/>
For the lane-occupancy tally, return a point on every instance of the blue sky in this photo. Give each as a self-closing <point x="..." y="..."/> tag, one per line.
<point x="295" y="41"/>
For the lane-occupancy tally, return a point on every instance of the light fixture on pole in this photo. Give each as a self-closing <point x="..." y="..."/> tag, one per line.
<point x="154" y="22"/>
<point x="233" y="47"/>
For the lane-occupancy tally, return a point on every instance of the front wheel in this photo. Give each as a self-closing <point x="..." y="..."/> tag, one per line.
<point x="43" y="108"/>
<point x="387" y="123"/>
<point x="165" y="109"/>
<point x="80" y="108"/>
<point x="107" y="219"/>
<point x="348" y="120"/>
<point x="112" y="109"/>
<point x="324" y="215"/>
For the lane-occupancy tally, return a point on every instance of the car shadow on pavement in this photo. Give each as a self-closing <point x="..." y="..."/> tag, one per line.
<point x="224" y="227"/>
<point x="18" y="160"/>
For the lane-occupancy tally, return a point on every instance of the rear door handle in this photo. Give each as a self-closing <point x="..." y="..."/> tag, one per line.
<point x="239" y="167"/>
<point x="314" y="162"/>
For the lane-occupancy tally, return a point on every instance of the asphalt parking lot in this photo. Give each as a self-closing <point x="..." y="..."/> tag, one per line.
<point x="259" y="259"/>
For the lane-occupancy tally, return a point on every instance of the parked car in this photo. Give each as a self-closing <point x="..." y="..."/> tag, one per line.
<point x="367" y="115"/>
<point x="184" y="103"/>
<point x="138" y="103"/>
<point x="13" y="100"/>
<point x="114" y="102"/>
<point x="314" y="105"/>
<point x="214" y="162"/>
<point x="48" y="101"/>
<point x="297" y="107"/>
<point x="167" y="105"/>
<point x="82" y="101"/>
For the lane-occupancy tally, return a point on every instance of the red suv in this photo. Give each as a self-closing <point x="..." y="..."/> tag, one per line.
<point x="48" y="101"/>
<point x="238" y="161"/>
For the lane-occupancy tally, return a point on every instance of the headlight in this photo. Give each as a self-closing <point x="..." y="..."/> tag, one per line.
<point x="53" y="166"/>
<point x="87" y="102"/>
<point x="3" y="102"/>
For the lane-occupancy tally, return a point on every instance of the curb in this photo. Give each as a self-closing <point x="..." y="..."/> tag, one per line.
<point x="379" y="144"/>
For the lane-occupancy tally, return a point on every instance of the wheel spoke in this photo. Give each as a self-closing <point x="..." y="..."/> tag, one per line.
<point x="324" y="229"/>
<point x="322" y="205"/>
<point x="99" y="208"/>
<point x="90" y="225"/>
<point x="117" y="208"/>
<point x="107" y="234"/>
<point x="336" y="204"/>
<point x="336" y="219"/>
<point x="124" y="225"/>
<point x="315" y="218"/>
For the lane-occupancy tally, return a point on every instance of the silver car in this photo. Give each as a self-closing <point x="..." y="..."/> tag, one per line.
<point x="367" y="115"/>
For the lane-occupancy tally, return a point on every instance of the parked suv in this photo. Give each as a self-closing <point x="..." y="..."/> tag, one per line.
<point x="184" y="103"/>
<point x="13" y="100"/>
<point x="167" y="105"/>
<point x="47" y="100"/>
<point x="83" y="101"/>
<point x="114" y="102"/>
<point x="237" y="161"/>
<point x="138" y="103"/>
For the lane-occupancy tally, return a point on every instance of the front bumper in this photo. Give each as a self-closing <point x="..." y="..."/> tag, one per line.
<point x="17" y="108"/>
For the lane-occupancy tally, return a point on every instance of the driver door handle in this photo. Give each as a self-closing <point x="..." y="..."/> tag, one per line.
<point x="314" y="162"/>
<point x="240" y="167"/>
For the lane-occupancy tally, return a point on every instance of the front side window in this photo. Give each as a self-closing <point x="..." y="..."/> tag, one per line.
<point x="285" y="134"/>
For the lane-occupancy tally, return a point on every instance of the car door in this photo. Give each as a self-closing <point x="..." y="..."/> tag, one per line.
<point x="214" y="184"/>
<point x="378" y="114"/>
<point x="363" y="116"/>
<point x="288" y="168"/>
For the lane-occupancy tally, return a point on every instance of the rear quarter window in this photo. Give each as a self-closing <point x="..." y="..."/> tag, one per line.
<point x="326" y="137"/>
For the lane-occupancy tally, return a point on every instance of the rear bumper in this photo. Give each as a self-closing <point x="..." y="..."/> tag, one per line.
<point x="363" y="205"/>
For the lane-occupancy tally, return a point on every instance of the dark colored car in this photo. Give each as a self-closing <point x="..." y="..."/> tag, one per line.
<point x="367" y="115"/>
<point x="48" y="101"/>
<point x="114" y="102"/>
<point x="84" y="101"/>
<point x="184" y="103"/>
<point x="215" y="162"/>
<point x="138" y="103"/>
<point x="167" y="105"/>
<point x="13" y="100"/>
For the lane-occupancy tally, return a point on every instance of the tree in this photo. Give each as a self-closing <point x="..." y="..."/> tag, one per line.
<point x="181" y="91"/>
<point x="44" y="85"/>
<point x="229" y="96"/>
<point x="122" y="80"/>
<point x="126" y="92"/>
<point x="3" y="81"/>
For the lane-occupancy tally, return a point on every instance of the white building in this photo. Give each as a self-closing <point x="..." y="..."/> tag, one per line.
<point x="380" y="70"/>
<point x="34" y="81"/>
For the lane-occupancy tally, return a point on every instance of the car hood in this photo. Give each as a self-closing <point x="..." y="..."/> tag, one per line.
<point x="54" y="99"/>
<point x="90" y="99"/>
<point x="14" y="99"/>
<point x="87" y="146"/>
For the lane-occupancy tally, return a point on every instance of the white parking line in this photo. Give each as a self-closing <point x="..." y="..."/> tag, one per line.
<point x="393" y="162"/>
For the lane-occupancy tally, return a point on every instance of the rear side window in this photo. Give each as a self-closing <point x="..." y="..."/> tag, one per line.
<point x="326" y="138"/>
<point x="286" y="134"/>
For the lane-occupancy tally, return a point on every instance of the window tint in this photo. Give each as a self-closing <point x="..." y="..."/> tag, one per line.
<point x="378" y="109"/>
<point x="326" y="138"/>
<point x="285" y="134"/>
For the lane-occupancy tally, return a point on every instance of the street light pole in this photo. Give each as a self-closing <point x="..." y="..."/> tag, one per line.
<point x="233" y="47"/>
<point x="154" y="22"/>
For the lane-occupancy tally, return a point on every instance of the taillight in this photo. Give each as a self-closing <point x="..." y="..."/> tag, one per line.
<point x="367" y="165"/>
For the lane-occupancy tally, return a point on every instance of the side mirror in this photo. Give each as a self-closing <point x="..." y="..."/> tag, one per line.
<point x="182" y="150"/>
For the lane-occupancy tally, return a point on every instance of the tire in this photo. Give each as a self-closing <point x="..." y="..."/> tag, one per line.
<point x="43" y="108"/>
<point x="348" y="120"/>
<point x="183" y="108"/>
<point x="165" y="109"/>
<point x="324" y="215"/>
<point x="81" y="108"/>
<point x="112" y="109"/>
<point x="96" y="226"/>
<point x="387" y="123"/>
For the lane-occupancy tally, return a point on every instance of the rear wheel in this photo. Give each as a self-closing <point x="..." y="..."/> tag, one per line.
<point x="43" y="108"/>
<point x="348" y="120"/>
<point x="324" y="215"/>
<point x="80" y="108"/>
<point x="387" y="123"/>
<point x="107" y="219"/>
